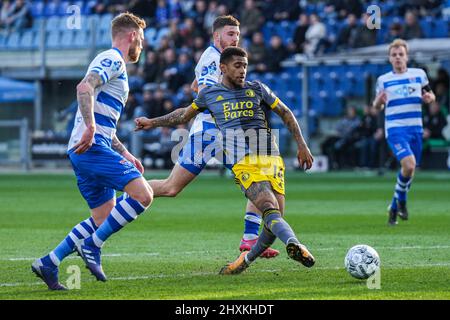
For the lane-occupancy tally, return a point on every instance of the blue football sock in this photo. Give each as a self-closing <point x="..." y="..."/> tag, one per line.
<point x="123" y="213"/>
<point x="251" y="226"/>
<point x="81" y="231"/>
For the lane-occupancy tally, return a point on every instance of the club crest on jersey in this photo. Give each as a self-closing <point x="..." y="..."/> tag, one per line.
<point x="211" y="69"/>
<point x="405" y="91"/>
<point x="245" y="176"/>
<point x="106" y="62"/>
<point x="116" y="65"/>
<point x="250" y="93"/>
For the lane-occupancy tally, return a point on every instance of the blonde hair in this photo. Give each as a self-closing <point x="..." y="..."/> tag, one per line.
<point x="126" y="21"/>
<point x="397" y="43"/>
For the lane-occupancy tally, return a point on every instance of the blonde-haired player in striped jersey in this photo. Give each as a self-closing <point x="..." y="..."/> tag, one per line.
<point x="402" y="92"/>
<point x="100" y="161"/>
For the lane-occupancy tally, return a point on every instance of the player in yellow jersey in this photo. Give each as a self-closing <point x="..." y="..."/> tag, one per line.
<point x="238" y="109"/>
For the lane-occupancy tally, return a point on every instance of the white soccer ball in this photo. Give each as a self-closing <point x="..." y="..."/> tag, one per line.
<point x="362" y="261"/>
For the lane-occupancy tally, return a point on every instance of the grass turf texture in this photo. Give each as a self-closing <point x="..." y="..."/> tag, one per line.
<point x="175" y="250"/>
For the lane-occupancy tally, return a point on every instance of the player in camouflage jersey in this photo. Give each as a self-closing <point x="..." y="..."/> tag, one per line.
<point x="238" y="108"/>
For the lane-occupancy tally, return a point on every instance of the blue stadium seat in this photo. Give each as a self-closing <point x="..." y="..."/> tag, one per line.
<point x="51" y="8"/>
<point x="104" y="40"/>
<point x="284" y="78"/>
<point x="13" y="41"/>
<point x="53" y="39"/>
<point x="440" y="28"/>
<point x="427" y="27"/>
<point x="105" y="21"/>
<point x="37" y="8"/>
<point x="62" y="8"/>
<point x="268" y="30"/>
<point x="88" y="8"/>
<point x="270" y="80"/>
<point x="81" y="39"/>
<point x="2" y="41"/>
<point x="293" y="101"/>
<point x="53" y="23"/>
<point x="67" y="38"/>
<point x="27" y="39"/>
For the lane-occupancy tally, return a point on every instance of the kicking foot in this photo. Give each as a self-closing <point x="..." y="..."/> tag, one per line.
<point x="91" y="256"/>
<point x="236" y="267"/>
<point x="300" y="253"/>
<point x="402" y="210"/>
<point x="392" y="221"/>
<point x="246" y="245"/>
<point x="48" y="274"/>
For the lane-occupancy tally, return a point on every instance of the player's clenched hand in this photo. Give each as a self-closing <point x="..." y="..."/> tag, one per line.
<point x="134" y="161"/>
<point x="382" y="98"/>
<point x="143" y="123"/>
<point x="305" y="158"/>
<point x="86" y="141"/>
<point x="428" y="97"/>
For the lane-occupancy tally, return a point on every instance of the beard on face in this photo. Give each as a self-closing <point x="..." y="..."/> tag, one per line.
<point x="223" y="44"/>
<point x="133" y="53"/>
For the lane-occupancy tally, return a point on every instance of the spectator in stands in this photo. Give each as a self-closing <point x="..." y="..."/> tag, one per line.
<point x="364" y="36"/>
<point x="152" y="68"/>
<point x="143" y="8"/>
<point x="184" y="96"/>
<point x="433" y="122"/>
<point x="170" y="71"/>
<point x="315" y="35"/>
<point x="442" y="96"/>
<point x="4" y="10"/>
<point x="130" y="107"/>
<point x="298" y="41"/>
<point x="200" y="13"/>
<point x="185" y="70"/>
<point x="176" y="12"/>
<point x="162" y="14"/>
<point x="347" y="35"/>
<point x="257" y="53"/>
<point x="251" y="19"/>
<point x="174" y="35"/>
<point x="17" y="16"/>
<point x="412" y="28"/>
<point x="395" y="32"/>
<point x="210" y="16"/>
<point x="278" y="53"/>
<point x="338" y="146"/>
<point x="154" y="105"/>
<point x="342" y="8"/>
<point x="115" y="6"/>
<point x="280" y="10"/>
<point x="369" y="139"/>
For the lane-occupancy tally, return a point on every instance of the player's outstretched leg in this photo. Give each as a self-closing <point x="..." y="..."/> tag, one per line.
<point x="252" y="223"/>
<point x="265" y="240"/>
<point x="46" y="267"/>
<point x="282" y="230"/>
<point x="123" y="213"/>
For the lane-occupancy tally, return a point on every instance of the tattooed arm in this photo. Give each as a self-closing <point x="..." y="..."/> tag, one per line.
<point x="179" y="116"/>
<point x="85" y="98"/>
<point x="120" y="148"/>
<point x="303" y="154"/>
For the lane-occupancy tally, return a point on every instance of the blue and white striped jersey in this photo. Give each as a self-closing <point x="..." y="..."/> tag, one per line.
<point x="403" y="113"/>
<point x="207" y="72"/>
<point x="109" y="98"/>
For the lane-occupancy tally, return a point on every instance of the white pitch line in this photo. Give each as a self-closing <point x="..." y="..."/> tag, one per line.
<point x="201" y="274"/>
<point x="152" y="254"/>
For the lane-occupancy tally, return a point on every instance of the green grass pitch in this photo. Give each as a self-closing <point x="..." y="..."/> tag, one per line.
<point x="175" y="250"/>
